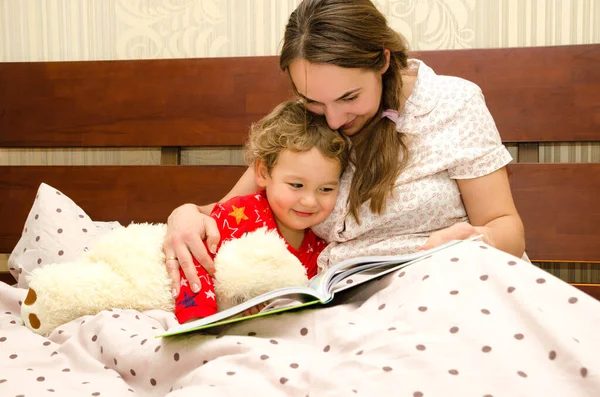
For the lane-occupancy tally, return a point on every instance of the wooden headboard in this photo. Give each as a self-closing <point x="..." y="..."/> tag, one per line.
<point x="536" y="95"/>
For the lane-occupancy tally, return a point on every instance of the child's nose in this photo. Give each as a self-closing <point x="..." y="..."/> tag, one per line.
<point x="308" y="200"/>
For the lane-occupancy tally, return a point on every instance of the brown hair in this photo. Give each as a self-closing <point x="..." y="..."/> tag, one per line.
<point x="354" y="34"/>
<point x="289" y="126"/>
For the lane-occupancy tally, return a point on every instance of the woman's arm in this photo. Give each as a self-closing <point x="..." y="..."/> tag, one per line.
<point x="491" y="209"/>
<point x="245" y="185"/>
<point x="492" y="213"/>
<point x="188" y="225"/>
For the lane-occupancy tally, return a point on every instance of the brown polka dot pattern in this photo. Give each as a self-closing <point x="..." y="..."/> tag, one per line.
<point x="273" y="345"/>
<point x="584" y="372"/>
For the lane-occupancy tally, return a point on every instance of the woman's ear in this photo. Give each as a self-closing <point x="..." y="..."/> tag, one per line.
<point x="387" y="55"/>
<point x="261" y="172"/>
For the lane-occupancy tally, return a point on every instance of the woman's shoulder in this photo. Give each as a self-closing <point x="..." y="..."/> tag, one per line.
<point x="452" y="89"/>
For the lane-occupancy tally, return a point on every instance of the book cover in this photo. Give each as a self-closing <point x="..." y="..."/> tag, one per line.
<point x="320" y="290"/>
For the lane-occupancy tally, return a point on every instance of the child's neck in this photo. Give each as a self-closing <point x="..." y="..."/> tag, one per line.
<point x="293" y="237"/>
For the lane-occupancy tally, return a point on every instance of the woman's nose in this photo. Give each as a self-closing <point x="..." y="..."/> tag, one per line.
<point x="335" y="118"/>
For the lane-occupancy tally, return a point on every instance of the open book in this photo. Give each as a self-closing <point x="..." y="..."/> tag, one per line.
<point x="320" y="290"/>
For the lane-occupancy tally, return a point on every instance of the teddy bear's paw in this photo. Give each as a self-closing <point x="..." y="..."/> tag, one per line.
<point x="31" y="320"/>
<point x="254" y="264"/>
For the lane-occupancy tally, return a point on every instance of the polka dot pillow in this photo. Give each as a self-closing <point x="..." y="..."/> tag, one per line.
<point x="56" y="230"/>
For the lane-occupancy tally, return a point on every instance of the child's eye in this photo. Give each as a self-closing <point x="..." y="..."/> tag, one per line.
<point x="295" y="185"/>
<point x="350" y="99"/>
<point x="327" y="189"/>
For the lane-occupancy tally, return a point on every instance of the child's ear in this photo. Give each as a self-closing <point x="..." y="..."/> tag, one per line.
<point x="260" y="169"/>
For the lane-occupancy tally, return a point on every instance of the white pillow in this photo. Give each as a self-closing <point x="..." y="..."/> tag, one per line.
<point x="56" y="230"/>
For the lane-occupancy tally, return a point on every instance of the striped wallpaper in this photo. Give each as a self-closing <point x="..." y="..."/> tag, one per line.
<point x="59" y="30"/>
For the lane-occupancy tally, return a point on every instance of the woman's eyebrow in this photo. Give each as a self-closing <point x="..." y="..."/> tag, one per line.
<point x="347" y="94"/>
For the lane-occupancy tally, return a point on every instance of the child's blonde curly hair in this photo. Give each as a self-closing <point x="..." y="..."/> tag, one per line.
<point x="290" y="126"/>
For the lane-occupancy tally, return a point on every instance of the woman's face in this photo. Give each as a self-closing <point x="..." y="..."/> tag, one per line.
<point x="348" y="98"/>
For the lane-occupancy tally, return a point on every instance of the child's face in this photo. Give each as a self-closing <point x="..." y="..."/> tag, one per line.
<point x="301" y="189"/>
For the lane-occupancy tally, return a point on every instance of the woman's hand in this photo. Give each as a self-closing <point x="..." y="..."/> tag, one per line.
<point x="254" y="310"/>
<point x="186" y="228"/>
<point x="459" y="231"/>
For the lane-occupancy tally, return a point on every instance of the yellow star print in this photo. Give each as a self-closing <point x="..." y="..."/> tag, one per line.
<point x="238" y="213"/>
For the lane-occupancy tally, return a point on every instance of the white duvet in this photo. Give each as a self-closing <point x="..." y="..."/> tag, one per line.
<point x="469" y="321"/>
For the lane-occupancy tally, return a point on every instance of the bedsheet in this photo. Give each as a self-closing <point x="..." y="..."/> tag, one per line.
<point x="467" y="321"/>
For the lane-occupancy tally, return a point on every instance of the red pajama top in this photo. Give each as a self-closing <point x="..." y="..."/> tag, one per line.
<point x="235" y="217"/>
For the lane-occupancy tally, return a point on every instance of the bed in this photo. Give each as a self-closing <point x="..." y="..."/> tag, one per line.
<point x="468" y="321"/>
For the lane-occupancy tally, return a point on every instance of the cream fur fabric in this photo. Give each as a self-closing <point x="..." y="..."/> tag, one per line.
<point x="266" y="264"/>
<point x="126" y="270"/>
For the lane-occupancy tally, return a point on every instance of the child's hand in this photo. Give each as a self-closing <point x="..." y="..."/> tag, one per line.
<point x="254" y="310"/>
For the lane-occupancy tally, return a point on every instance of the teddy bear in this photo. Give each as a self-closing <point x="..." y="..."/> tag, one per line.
<point x="126" y="269"/>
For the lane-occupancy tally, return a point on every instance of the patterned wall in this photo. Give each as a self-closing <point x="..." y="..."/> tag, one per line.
<point x="57" y="30"/>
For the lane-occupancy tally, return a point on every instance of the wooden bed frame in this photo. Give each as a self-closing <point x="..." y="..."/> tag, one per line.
<point x="542" y="94"/>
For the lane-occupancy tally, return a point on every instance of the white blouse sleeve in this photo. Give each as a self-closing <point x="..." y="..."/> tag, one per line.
<point x="477" y="146"/>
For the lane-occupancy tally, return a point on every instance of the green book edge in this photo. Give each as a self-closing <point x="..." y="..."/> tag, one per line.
<point x="238" y="319"/>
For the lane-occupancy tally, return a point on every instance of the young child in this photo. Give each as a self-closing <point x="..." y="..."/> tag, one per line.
<point x="298" y="161"/>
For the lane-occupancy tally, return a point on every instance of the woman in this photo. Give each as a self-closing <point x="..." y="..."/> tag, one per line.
<point x="428" y="162"/>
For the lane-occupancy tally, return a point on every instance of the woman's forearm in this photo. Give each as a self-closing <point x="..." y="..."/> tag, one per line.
<point x="245" y="185"/>
<point x="505" y="233"/>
